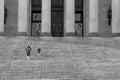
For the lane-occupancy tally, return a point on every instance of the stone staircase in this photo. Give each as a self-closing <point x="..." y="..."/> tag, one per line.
<point x="38" y="70"/>
<point x="59" y="60"/>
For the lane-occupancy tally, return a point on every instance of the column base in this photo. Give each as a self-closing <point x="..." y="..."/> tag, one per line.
<point x="93" y="35"/>
<point x="115" y="34"/>
<point x="45" y="34"/>
<point x="70" y="34"/>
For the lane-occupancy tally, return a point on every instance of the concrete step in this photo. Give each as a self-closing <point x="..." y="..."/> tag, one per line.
<point x="38" y="79"/>
<point x="62" y="69"/>
<point x="37" y="69"/>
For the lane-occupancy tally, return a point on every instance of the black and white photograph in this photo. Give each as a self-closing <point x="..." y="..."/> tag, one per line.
<point x="59" y="39"/>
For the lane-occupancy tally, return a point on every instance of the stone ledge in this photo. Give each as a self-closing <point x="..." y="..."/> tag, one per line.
<point x="45" y="34"/>
<point x="115" y="34"/>
<point x="38" y="79"/>
<point x="93" y="35"/>
<point x="22" y="34"/>
<point x="70" y="34"/>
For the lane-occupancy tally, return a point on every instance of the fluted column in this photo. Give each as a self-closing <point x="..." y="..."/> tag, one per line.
<point x="115" y="16"/>
<point x="69" y="16"/>
<point x="1" y="16"/>
<point x="93" y="16"/>
<point x="46" y="17"/>
<point x="22" y="16"/>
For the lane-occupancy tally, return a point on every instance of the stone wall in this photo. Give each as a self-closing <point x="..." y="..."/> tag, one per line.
<point x="105" y="29"/>
<point x="12" y="17"/>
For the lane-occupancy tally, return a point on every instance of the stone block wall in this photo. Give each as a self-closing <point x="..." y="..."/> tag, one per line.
<point x="105" y="30"/>
<point x="12" y="17"/>
<point x="11" y="26"/>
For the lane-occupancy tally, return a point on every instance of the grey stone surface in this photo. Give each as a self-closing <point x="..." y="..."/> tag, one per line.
<point x="69" y="58"/>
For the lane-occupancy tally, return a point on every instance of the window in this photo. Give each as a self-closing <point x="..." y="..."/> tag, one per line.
<point x="78" y="11"/>
<point x="78" y="5"/>
<point x="57" y="4"/>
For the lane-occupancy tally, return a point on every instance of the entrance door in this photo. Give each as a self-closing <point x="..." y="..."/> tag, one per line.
<point x="57" y="23"/>
<point x="79" y="11"/>
<point x="36" y="18"/>
<point x="57" y="18"/>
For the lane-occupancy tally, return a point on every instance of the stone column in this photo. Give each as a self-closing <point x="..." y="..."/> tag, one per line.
<point x="22" y="16"/>
<point x="93" y="16"/>
<point x="115" y="17"/>
<point x="69" y="17"/>
<point x="1" y="16"/>
<point x="46" y="17"/>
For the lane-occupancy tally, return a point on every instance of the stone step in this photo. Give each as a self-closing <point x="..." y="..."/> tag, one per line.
<point x="36" y="69"/>
<point x="38" y="79"/>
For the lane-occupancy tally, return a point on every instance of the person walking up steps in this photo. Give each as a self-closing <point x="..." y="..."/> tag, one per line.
<point x="28" y="51"/>
<point x="38" y="51"/>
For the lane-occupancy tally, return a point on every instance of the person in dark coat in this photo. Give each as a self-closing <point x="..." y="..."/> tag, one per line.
<point x="28" y="51"/>
<point x="38" y="51"/>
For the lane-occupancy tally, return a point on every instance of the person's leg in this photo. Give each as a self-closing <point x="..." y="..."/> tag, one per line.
<point x="28" y="56"/>
<point x="38" y="54"/>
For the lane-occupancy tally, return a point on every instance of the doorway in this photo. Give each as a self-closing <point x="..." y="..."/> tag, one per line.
<point x="79" y="18"/>
<point x="36" y="17"/>
<point x="57" y="18"/>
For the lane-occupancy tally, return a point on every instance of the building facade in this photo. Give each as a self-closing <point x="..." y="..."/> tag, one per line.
<point x="60" y="18"/>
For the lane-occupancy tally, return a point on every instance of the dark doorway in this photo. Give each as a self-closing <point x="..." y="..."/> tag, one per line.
<point x="79" y="18"/>
<point x="57" y="18"/>
<point x="36" y="17"/>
